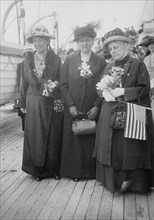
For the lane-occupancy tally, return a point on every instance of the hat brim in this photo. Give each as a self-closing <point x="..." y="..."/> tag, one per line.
<point x="150" y="42"/>
<point x="116" y="38"/>
<point x="29" y="39"/>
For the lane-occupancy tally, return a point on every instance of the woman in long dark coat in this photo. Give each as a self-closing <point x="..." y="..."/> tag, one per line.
<point x="124" y="163"/>
<point x="39" y="88"/>
<point x="79" y="93"/>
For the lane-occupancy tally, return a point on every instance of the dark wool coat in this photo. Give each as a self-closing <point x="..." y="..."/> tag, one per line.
<point x="76" y="158"/>
<point x="41" y="122"/>
<point x="136" y="153"/>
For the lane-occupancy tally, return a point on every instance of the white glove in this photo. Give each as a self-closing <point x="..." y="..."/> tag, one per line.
<point x="107" y="96"/>
<point x="117" y="92"/>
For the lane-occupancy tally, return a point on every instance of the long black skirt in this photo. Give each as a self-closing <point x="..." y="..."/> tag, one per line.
<point x="52" y="160"/>
<point x="76" y="157"/>
<point x="125" y="167"/>
<point x="112" y="179"/>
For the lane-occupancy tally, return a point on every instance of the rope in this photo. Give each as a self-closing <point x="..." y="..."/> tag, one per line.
<point x="9" y="61"/>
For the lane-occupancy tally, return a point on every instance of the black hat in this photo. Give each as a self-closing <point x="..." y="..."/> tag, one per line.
<point x="150" y="41"/>
<point x="144" y="41"/>
<point x="85" y="31"/>
<point x="115" y="35"/>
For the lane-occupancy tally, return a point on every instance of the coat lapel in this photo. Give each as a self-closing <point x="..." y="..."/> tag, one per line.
<point x="92" y="61"/>
<point x="126" y="71"/>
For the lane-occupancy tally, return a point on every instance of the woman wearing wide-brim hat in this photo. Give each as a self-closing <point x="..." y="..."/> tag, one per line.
<point x="39" y="89"/>
<point x="144" y="46"/>
<point x="81" y="72"/>
<point x="124" y="162"/>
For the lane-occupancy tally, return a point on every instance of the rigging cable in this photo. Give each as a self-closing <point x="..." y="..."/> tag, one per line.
<point x="18" y="24"/>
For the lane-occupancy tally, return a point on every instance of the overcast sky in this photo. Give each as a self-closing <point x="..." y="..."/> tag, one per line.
<point x="110" y="14"/>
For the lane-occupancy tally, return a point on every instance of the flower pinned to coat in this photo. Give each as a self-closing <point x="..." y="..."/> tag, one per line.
<point x="49" y="86"/>
<point x="85" y="70"/>
<point x="39" y="70"/>
<point x="112" y="81"/>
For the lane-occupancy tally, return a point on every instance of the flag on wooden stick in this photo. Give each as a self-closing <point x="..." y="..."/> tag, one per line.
<point x="135" y="126"/>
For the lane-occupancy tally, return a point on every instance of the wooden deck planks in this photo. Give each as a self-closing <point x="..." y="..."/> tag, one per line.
<point x="130" y="206"/>
<point x="24" y="198"/>
<point x="74" y="201"/>
<point x="105" y="206"/>
<point x="142" y="210"/>
<point x="84" y="201"/>
<point x="94" y="204"/>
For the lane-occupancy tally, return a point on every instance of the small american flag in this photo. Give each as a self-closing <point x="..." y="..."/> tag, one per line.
<point x="135" y="126"/>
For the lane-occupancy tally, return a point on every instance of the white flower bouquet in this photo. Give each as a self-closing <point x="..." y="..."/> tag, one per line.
<point x="112" y="81"/>
<point x="49" y="86"/>
<point x="85" y="71"/>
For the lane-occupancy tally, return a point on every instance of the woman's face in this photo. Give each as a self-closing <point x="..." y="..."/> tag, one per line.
<point x="118" y="49"/>
<point x="85" y="44"/>
<point x="144" y="49"/>
<point x="40" y="44"/>
<point x="151" y="47"/>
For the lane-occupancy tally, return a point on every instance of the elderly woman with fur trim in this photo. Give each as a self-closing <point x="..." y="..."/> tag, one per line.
<point x="81" y="72"/>
<point x="124" y="159"/>
<point x="41" y="100"/>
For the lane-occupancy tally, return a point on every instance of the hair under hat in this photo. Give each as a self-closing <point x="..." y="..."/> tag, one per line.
<point x="115" y="35"/>
<point x="38" y="31"/>
<point x="85" y="31"/>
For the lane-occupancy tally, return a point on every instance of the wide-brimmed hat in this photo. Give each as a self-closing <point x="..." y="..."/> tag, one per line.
<point x="144" y="41"/>
<point x="85" y="31"/>
<point x="115" y="35"/>
<point x="150" y="40"/>
<point x="38" y="31"/>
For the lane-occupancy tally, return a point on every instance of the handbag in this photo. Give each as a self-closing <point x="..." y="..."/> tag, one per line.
<point x="118" y="116"/>
<point x="83" y="127"/>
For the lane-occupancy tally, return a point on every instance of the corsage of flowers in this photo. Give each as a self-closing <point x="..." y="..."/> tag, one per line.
<point x="49" y="86"/>
<point x="112" y="81"/>
<point x="85" y="71"/>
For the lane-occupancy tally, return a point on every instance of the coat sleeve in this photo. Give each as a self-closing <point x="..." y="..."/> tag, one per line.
<point x="23" y="88"/>
<point x="141" y="87"/>
<point x="64" y="84"/>
<point x="98" y="101"/>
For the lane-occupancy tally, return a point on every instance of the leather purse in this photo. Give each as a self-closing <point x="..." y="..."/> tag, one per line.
<point x="83" y="127"/>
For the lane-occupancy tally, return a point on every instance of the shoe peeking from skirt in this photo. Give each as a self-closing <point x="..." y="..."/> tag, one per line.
<point x="75" y="179"/>
<point x="126" y="185"/>
<point x="57" y="177"/>
<point x="39" y="178"/>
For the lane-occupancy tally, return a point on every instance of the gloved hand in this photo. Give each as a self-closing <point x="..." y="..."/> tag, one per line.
<point x="108" y="96"/>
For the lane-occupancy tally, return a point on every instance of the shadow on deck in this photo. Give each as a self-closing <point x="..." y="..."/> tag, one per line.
<point x="24" y="198"/>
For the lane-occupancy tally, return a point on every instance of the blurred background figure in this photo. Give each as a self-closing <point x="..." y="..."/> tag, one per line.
<point x="149" y="62"/>
<point x="144" y="47"/>
<point x="107" y="56"/>
<point x="70" y="51"/>
<point x="62" y="54"/>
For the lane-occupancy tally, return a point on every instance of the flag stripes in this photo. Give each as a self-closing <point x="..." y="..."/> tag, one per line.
<point x="134" y="128"/>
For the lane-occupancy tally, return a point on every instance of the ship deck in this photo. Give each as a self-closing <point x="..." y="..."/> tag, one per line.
<point x="24" y="198"/>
